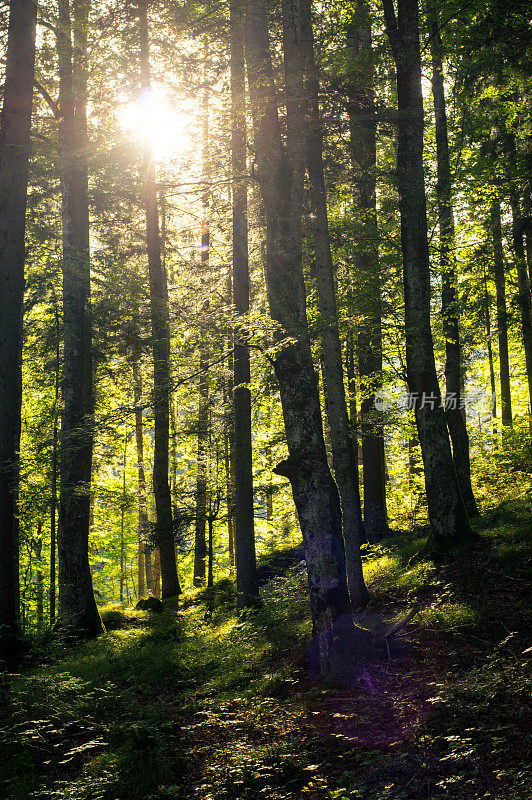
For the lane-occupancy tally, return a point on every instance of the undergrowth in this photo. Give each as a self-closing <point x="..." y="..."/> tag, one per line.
<point x="195" y="703"/>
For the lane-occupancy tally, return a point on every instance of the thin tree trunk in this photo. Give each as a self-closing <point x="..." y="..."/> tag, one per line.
<point x="368" y="279"/>
<point x="447" y="513"/>
<point x="160" y="323"/>
<point x="145" y="562"/>
<point x="523" y="288"/>
<point x="200" y="550"/>
<point x="210" y="577"/>
<point x="40" y="577"/>
<point x="123" y="565"/>
<point x="54" y="460"/>
<point x="487" y="304"/>
<point x="229" y="474"/>
<point x="246" y="577"/>
<point x="450" y="304"/>
<point x="337" y="641"/>
<point x="77" y="606"/>
<point x="14" y="156"/>
<point x="344" y="456"/>
<point x="502" y="315"/>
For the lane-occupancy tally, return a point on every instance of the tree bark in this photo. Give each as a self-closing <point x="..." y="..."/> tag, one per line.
<point x="200" y="547"/>
<point x="487" y="304"/>
<point x="502" y="315"/>
<point x="523" y="287"/>
<point x="145" y="561"/>
<point x="14" y="156"/>
<point x="246" y="577"/>
<point x="336" y="639"/>
<point x="456" y="422"/>
<point x="344" y="456"/>
<point x="447" y="513"/>
<point x="77" y="606"/>
<point x="368" y="279"/>
<point x="160" y="324"/>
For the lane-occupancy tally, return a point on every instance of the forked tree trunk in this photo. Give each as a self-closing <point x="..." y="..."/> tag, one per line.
<point x="344" y="456"/>
<point x="160" y="325"/>
<point x="502" y="314"/>
<point x="315" y="494"/>
<point x="77" y="606"/>
<point x="367" y="279"/>
<point x="447" y="513"/>
<point x="14" y="156"/>
<point x="246" y="575"/>
<point x="456" y="422"/>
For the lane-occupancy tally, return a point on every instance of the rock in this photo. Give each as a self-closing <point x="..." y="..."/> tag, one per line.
<point x="149" y="604"/>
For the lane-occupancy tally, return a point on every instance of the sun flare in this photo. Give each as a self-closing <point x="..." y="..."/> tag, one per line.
<point x="152" y="118"/>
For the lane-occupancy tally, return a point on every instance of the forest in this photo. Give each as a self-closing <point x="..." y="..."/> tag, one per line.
<point x="265" y="399"/>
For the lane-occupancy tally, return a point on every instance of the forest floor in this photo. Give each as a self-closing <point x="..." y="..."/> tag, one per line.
<point x="192" y="703"/>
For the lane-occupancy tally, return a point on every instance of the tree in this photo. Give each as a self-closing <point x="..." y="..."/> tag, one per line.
<point x="450" y="303"/>
<point x="14" y="156"/>
<point x="160" y="322"/>
<point x="447" y="513"/>
<point x="314" y="491"/>
<point x="246" y="578"/>
<point x="502" y="314"/>
<point x="344" y="457"/>
<point x="363" y="146"/>
<point x="77" y="607"/>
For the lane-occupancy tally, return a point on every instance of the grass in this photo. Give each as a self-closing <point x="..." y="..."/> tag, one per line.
<point x="183" y="705"/>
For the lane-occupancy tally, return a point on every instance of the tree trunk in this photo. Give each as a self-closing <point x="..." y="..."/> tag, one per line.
<point x="77" y="606"/>
<point x="160" y="324"/>
<point x="210" y="577"/>
<point x="201" y="471"/>
<point x="487" y="303"/>
<point x="456" y="422"/>
<point x="336" y="639"/>
<point x="123" y="562"/>
<point x="447" y="513"/>
<point x="145" y="563"/>
<point x="246" y="578"/>
<point x="14" y="155"/>
<point x="502" y="316"/>
<point x="344" y="456"/>
<point x="368" y="280"/>
<point x="523" y="288"/>
<point x="54" y="459"/>
<point x="40" y="577"/>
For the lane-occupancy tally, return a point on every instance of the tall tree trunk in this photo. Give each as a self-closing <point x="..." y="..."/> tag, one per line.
<point x="447" y="513"/>
<point x="14" y="155"/>
<point x="200" y="550"/>
<point x="368" y="279"/>
<point x="40" y="577"/>
<point x="246" y="577"/>
<point x="315" y="494"/>
<point x="77" y="606"/>
<point x="523" y="288"/>
<point x="344" y="456"/>
<point x="456" y="422"/>
<point x="145" y="561"/>
<point x="487" y="303"/>
<point x="54" y="460"/>
<point x="502" y="315"/>
<point x="123" y="564"/>
<point x="160" y="324"/>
